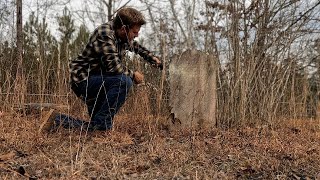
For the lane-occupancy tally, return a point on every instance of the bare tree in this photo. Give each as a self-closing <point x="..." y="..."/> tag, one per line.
<point x="19" y="82"/>
<point x="100" y="11"/>
<point x="261" y="77"/>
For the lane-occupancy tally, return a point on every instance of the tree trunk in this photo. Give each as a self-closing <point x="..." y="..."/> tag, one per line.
<point x="19" y="83"/>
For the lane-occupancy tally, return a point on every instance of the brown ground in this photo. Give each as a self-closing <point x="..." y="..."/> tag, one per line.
<point x="139" y="149"/>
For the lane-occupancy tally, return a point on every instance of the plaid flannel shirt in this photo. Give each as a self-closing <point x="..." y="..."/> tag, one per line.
<point x="103" y="55"/>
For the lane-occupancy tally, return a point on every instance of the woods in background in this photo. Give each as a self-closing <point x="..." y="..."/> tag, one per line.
<point x="267" y="52"/>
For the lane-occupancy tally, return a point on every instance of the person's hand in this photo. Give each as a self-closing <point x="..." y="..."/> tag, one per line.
<point x="138" y="77"/>
<point x="158" y="63"/>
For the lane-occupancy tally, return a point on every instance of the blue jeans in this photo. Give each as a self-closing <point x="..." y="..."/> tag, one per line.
<point x="103" y="95"/>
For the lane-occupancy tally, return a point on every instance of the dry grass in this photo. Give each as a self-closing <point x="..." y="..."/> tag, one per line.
<point x="137" y="148"/>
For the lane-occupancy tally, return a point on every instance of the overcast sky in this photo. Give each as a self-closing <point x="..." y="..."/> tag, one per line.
<point x="76" y="6"/>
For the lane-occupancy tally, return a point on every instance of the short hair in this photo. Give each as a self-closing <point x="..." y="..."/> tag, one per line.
<point x="129" y="17"/>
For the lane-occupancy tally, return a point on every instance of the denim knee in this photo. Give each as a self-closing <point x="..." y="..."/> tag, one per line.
<point x="127" y="82"/>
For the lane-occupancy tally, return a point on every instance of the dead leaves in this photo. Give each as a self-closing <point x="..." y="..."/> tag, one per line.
<point x="115" y="138"/>
<point x="11" y="155"/>
<point x="8" y="156"/>
<point x="4" y="114"/>
<point x="20" y="170"/>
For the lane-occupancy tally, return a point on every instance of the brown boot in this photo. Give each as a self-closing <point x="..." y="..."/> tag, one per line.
<point x="48" y="120"/>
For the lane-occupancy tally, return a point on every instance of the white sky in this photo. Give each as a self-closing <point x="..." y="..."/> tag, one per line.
<point x="75" y="7"/>
<point x="54" y="11"/>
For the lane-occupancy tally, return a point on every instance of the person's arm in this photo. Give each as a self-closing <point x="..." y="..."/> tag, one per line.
<point x="110" y="59"/>
<point x="146" y="54"/>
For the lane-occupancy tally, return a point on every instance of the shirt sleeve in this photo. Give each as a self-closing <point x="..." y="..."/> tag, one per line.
<point x="105" y="44"/>
<point x="143" y="52"/>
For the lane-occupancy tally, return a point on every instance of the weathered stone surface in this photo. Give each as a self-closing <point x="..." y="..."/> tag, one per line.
<point x="193" y="89"/>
